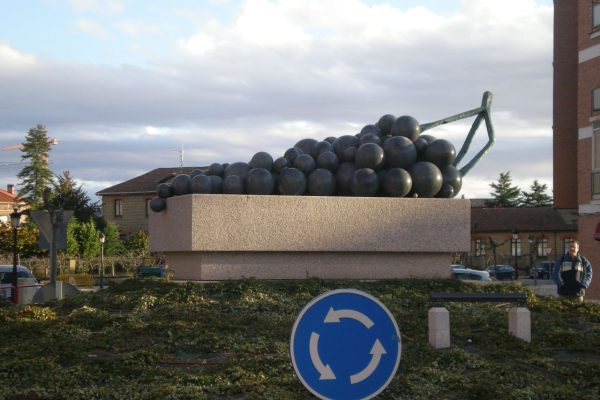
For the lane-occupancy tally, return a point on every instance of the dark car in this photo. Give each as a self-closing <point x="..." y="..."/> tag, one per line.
<point x="502" y="272"/>
<point x="543" y="270"/>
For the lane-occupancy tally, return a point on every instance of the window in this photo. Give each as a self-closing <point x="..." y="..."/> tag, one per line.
<point x="515" y="247"/>
<point x="118" y="208"/>
<point x="596" y="145"/>
<point x="479" y="247"/>
<point x="566" y="243"/>
<point x="596" y="17"/>
<point x="542" y="247"/>
<point x="596" y="158"/>
<point x="596" y="99"/>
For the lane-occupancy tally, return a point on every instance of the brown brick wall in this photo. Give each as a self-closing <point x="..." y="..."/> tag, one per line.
<point x="586" y="24"/>
<point x="565" y="104"/>
<point x="584" y="170"/>
<point x="590" y="248"/>
<point x="589" y="79"/>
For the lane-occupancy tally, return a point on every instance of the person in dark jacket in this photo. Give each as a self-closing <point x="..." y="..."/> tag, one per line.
<point x="572" y="273"/>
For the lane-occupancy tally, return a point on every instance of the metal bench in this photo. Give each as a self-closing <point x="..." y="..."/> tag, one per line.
<point x="519" y="318"/>
<point x="519" y="298"/>
<point x="145" y="271"/>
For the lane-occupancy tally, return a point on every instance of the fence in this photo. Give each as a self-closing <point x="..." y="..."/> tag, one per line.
<point x="120" y="265"/>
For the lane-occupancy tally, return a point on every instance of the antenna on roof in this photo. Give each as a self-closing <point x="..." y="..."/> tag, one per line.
<point x="180" y="155"/>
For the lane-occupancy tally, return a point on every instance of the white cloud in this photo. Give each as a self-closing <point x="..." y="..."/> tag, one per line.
<point x="266" y="24"/>
<point x="13" y="60"/>
<point x="154" y="131"/>
<point x="101" y="7"/>
<point x="92" y="28"/>
<point x="198" y="44"/>
<point x="136" y="28"/>
<point x="283" y="70"/>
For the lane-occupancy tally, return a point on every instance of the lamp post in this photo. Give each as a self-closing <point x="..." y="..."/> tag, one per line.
<point x="102" y="239"/>
<point x="515" y="237"/>
<point x="532" y="248"/>
<point x="15" y="221"/>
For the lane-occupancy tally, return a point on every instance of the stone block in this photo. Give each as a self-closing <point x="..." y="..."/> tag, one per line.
<point x="519" y="323"/>
<point x="208" y="237"/>
<point x="439" y="327"/>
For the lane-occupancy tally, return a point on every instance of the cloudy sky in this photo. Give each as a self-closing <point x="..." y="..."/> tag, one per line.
<point x="125" y="84"/>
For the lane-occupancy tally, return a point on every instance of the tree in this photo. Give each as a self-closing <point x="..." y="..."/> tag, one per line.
<point x="536" y="197"/>
<point x="504" y="195"/>
<point x="70" y="196"/>
<point x="83" y="239"/>
<point x="36" y="175"/>
<point x="27" y="240"/>
<point x="72" y="246"/>
<point x="113" y="245"/>
<point x="138" y="243"/>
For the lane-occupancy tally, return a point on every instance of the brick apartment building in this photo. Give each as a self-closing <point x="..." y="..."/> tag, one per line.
<point x="576" y="120"/>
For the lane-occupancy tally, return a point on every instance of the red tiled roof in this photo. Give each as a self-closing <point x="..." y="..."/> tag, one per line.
<point x="6" y="197"/>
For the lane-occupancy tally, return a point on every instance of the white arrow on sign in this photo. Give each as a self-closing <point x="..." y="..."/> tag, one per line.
<point x="376" y="351"/>
<point x="334" y="316"/>
<point x="325" y="370"/>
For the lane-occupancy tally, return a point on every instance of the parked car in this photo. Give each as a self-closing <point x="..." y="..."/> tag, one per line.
<point x="470" y="274"/>
<point x="6" y="278"/>
<point x="543" y="270"/>
<point x="455" y="266"/>
<point x="502" y="272"/>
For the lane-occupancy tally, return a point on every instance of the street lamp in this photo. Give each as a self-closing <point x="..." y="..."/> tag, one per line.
<point x="515" y="237"/>
<point x="15" y="221"/>
<point x="532" y="248"/>
<point x="102" y="239"/>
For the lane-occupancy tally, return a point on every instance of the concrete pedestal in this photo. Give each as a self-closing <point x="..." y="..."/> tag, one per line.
<point x="519" y="323"/>
<point x="213" y="237"/>
<point x="439" y="327"/>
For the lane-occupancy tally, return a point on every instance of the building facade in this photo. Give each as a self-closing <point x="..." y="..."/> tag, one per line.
<point x="520" y="237"/>
<point x="576" y="120"/>
<point x="9" y="200"/>
<point x="126" y="204"/>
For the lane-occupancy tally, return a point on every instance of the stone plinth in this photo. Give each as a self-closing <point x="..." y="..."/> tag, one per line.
<point x="208" y="237"/>
<point x="519" y="323"/>
<point x="439" y="327"/>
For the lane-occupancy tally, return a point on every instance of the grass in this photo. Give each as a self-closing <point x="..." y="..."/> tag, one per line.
<point x="153" y="339"/>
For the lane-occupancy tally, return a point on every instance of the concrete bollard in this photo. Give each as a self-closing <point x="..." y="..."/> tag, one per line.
<point x="439" y="327"/>
<point x="519" y="323"/>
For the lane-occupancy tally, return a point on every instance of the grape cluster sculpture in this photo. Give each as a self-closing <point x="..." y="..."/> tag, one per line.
<point x="389" y="158"/>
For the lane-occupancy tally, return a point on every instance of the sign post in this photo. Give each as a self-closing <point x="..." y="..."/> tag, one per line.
<point x="345" y="344"/>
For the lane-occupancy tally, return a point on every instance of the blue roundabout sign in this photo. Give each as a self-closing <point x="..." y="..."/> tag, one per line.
<point x="345" y="344"/>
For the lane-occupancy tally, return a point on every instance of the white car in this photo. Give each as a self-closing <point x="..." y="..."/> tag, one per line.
<point x="470" y="274"/>
<point x="6" y="279"/>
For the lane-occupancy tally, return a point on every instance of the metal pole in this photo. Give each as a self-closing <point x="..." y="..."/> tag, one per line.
<point x="53" y="216"/>
<point x="102" y="264"/>
<point x="513" y="251"/>
<point x="15" y="281"/>
<point x="516" y="261"/>
<point x="533" y="257"/>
